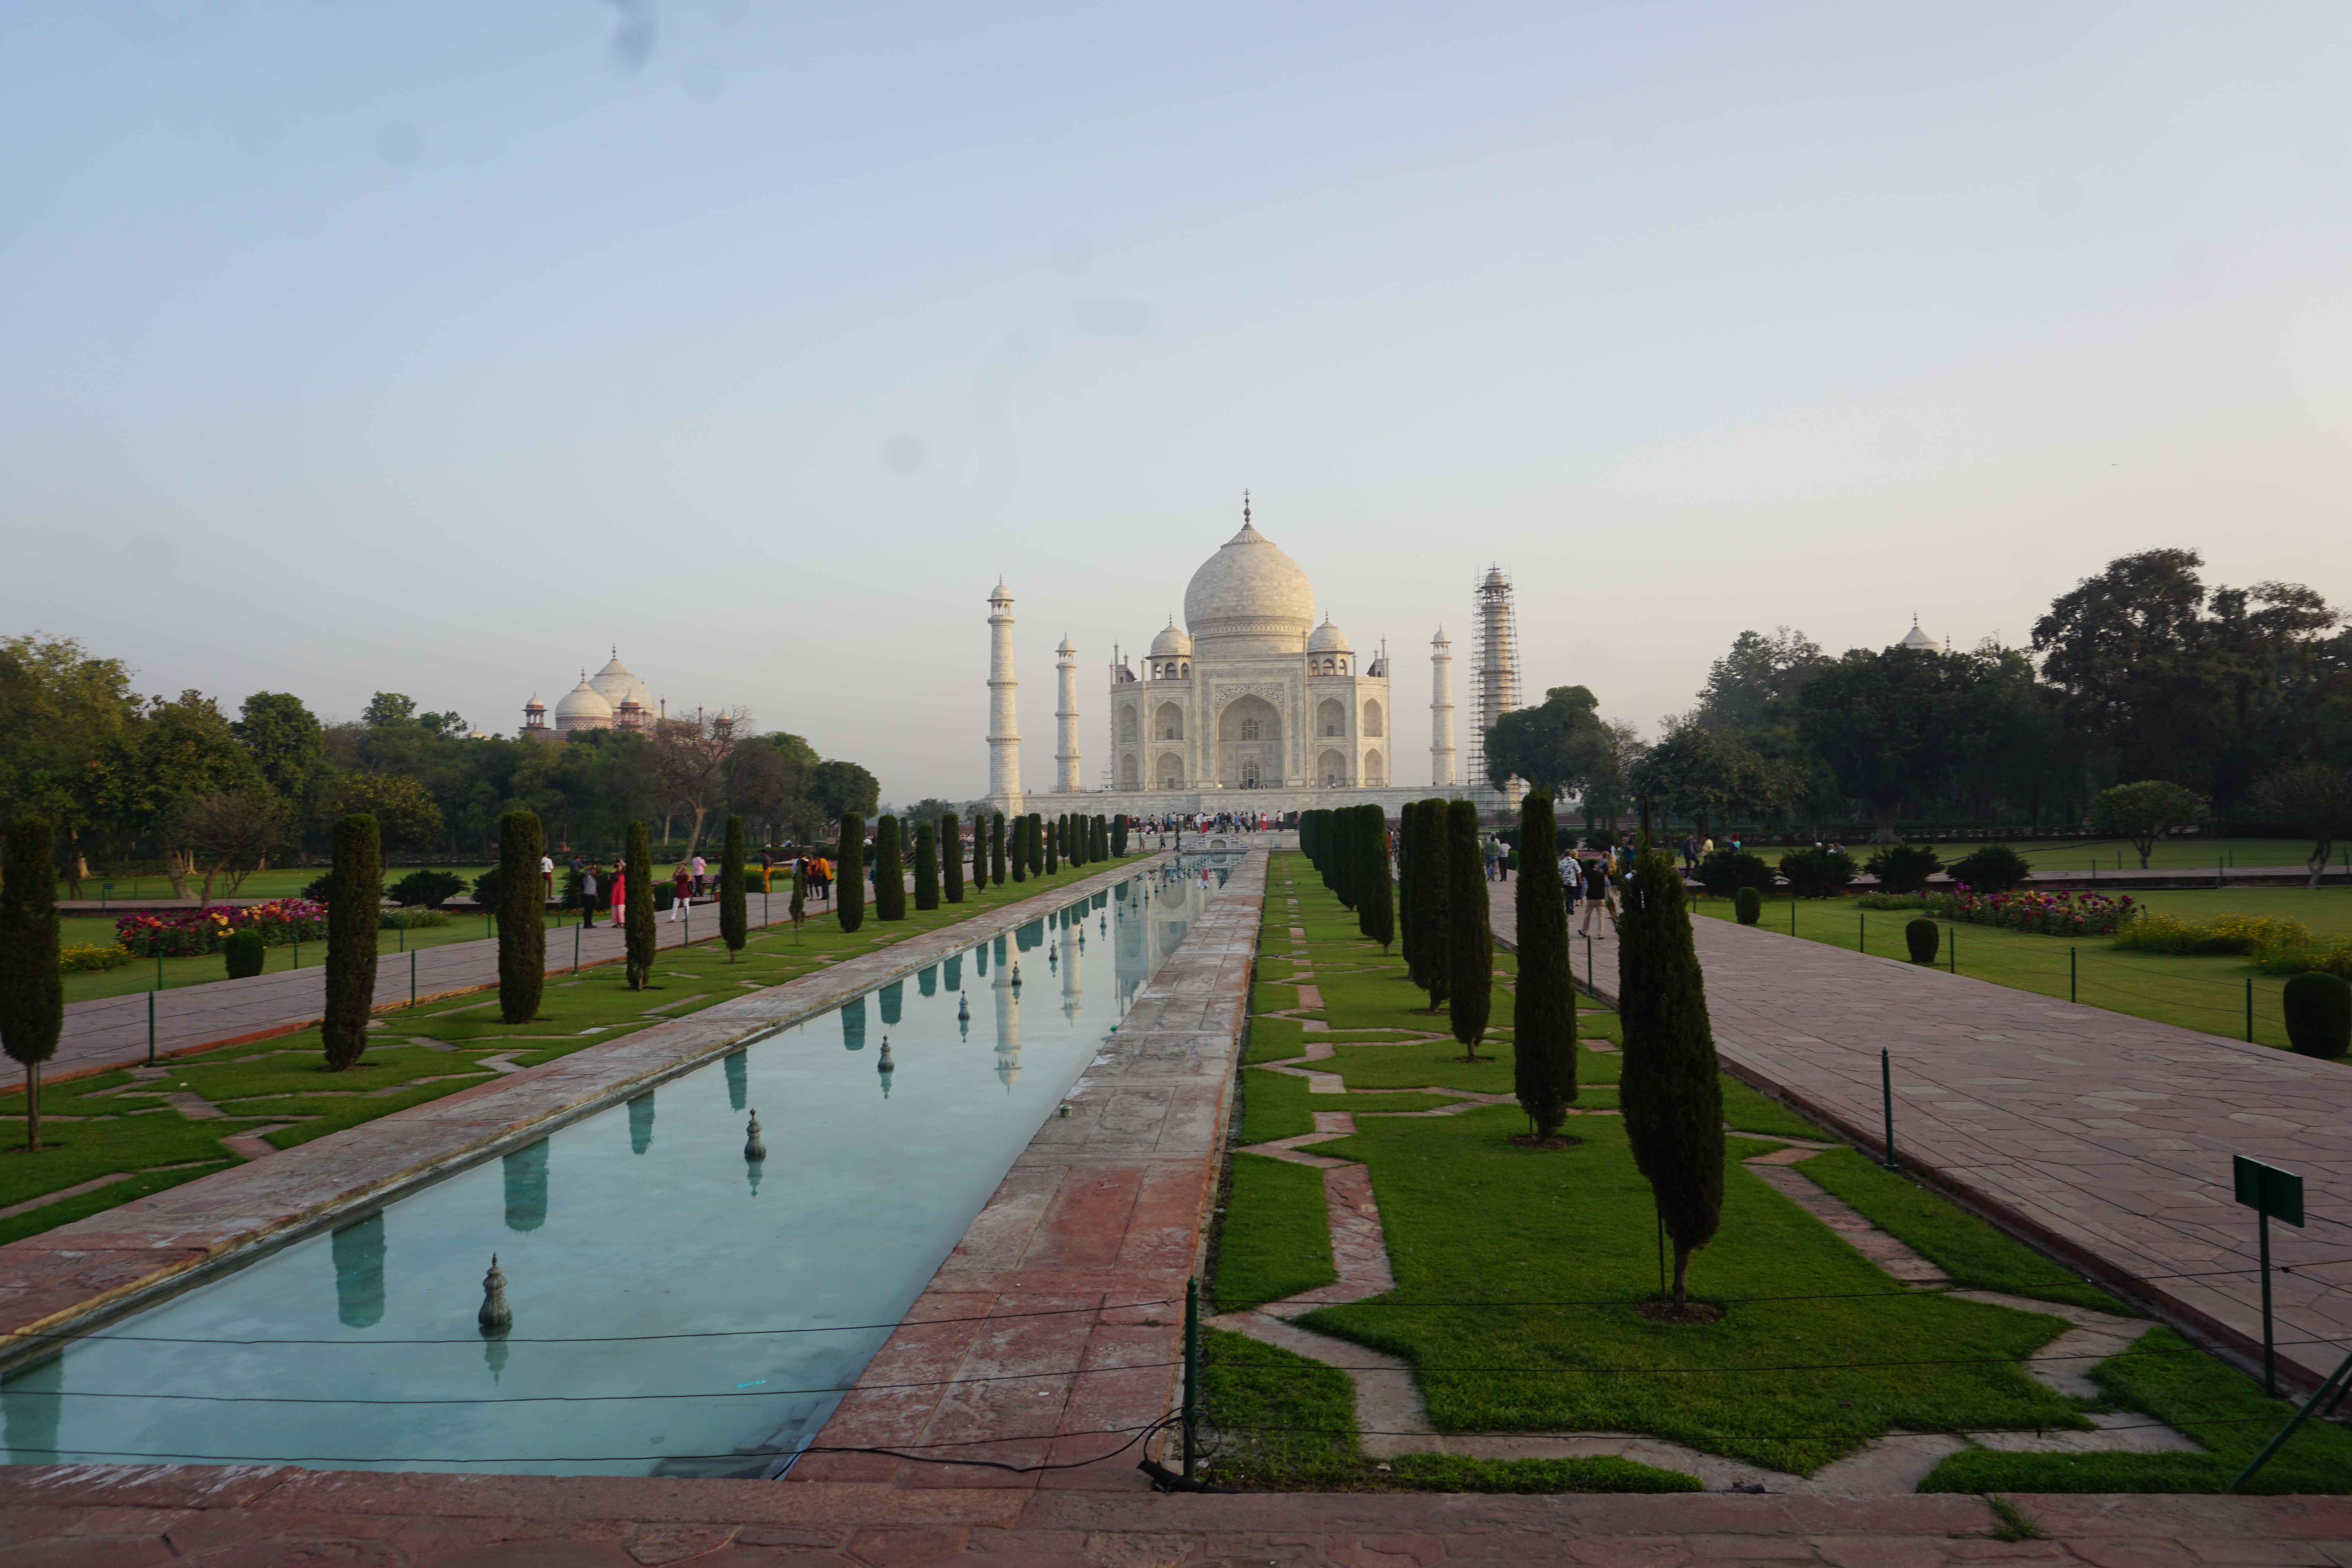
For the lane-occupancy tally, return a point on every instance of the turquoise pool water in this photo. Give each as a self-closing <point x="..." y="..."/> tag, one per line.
<point x="678" y="1309"/>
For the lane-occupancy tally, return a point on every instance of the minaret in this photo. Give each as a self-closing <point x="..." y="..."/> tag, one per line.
<point x="1441" y="710"/>
<point x="1003" y="717"/>
<point x="1065" y="717"/>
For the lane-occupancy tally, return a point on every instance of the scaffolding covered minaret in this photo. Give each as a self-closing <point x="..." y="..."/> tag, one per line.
<point x="1494" y="668"/>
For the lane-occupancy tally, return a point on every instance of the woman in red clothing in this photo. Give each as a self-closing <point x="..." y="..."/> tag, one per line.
<point x="620" y="893"/>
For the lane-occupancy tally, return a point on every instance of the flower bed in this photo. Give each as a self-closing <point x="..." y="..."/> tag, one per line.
<point x="89" y="955"/>
<point x="183" y="933"/>
<point x="2047" y="914"/>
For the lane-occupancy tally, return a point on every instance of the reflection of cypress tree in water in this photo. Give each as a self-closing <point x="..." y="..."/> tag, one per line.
<point x="739" y="1081"/>
<point x="953" y="979"/>
<point x="30" y="1403"/>
<point x="853" y="1024"/>
<point x="526" y="1177"/>
<point x="929" y="981"/>
<point x="997" y="947"/>
<point x="893" y="998"/>
<point x="641" y="1123"/>
<point x="1028" y="936"/>
<point x="358" y="1252"/>
<point x="1008" y="1029"/>
<point x="979" y="956"/>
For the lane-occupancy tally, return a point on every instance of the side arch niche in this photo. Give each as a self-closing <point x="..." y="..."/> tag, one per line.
<point x="1168" y="723"/>
<point x="1372" y="719"/>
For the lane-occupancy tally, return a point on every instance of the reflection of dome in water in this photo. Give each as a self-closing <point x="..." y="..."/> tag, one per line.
<point x="1249" y="599"/>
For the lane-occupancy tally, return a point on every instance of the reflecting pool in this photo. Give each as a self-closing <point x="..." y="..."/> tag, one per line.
<point x="679" y="1307"/>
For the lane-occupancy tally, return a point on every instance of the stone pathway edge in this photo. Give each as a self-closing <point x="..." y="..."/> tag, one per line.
<point x="119" y="1260"/>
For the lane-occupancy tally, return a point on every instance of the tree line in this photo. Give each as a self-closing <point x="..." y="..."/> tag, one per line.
<point x="2239" y="698"/>
<point x="212" y="794"/>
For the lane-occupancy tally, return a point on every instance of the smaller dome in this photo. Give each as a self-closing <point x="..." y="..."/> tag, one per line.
<point x="1173" y="643"/>
<point x="1066" y="648"/>
<point x="584" y="701"/>
<point x="1327" y="639"/>
<point x="534" y="705"/>
<point x="1917" y="639"/>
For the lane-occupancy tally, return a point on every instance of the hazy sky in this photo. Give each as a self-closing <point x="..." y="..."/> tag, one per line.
<point x="436" y="347"/>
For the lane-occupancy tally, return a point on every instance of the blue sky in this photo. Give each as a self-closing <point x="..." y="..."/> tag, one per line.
<point x="436" y="347"/>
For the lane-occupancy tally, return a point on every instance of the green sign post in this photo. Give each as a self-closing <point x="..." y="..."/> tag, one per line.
<point x="2269" y="1192"/>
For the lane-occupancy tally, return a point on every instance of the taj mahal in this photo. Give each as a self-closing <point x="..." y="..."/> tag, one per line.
<point x="1249" y="705"/>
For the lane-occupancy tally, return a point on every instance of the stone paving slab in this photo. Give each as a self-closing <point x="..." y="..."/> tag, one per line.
<point x="112" y="1259"/>
<point x="1099" y="1222"/>
<point x="99" y="1516"/>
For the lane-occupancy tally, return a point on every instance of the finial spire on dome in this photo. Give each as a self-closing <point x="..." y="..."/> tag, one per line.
<point x="1245" y="518"/>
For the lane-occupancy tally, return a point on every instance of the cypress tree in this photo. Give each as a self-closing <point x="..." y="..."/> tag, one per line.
<point x="1375" y="893"/>
<point x="927" y="866"/>
<point x="734" y="922"/>
<point x="640" y="941"/>
<point x="1081" y="833"/>
<point x="1036" y="843"/>
<point x="890" y="872"/>
<point x="522" y="918"/>
<point x="849" y="872"/>
<point x="1101" y="839"/>
<point x="32" y="986"/>
<point x="996" y="849"/>
<point x="1053" y="832"/>
<point x="1469" y="943"/>
<point x="1543" y="1042"/>
<point x="952" y="854"/>
<point x="1306" y="829"/>
<point x="1118" y="834"/>
<point x="1423" y="957"/>
<point x="1672" y="1099"/>
<point x="354" y="894"/>
<point x="1017" y="849"/>
<point x="978" y="853"/>
<point x="1347" y="852"/>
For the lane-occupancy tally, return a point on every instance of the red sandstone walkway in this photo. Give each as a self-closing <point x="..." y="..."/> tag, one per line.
<point x="2105" y="1139"/>
<point x="120" y="1517"/>
<point x="1099" y="1220"/>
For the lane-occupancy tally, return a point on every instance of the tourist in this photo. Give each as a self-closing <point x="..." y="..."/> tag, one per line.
<point x="547" y="877"/>
<point x="1490" y="848"/>
<point x="1690" y="853"/>
<point x="701" y="867"/>
<point x="587" y="895"/>
<point x="620" y="894"/>
<point x="681" y="892"/>
<point x="1597" y="894"/>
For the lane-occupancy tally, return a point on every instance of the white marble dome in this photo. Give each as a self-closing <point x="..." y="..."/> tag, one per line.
<point x="1916" y="638"/>
<point x="1249" y="599"/>
<point x="1328" y="638"/>
<point x="616" y="684"/>
<point x="1172" y="643"/>
<point x="582" y="708"/>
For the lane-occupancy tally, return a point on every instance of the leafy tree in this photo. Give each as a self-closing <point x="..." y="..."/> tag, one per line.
<point x="951" y="853"/>
<point x="1995" y="869"/>
<point x="2143" y="813"/>
<point x="838" y="786"/>
<point x="734" y="919"/>
<point x="66" y="713"/>
<point x="1375" y="895"/>
<point x="2176" y="682"/>
<point x="1672" y="1099"/>
<point x="177" y="751"/>
<point x="389" y="710"/>
<point x="1890" y="724"/>
<point x="1424" y="873"/>
<point x="32" y="986"/>
<point x="1758" y="674"/>
<point x="1543" y="1042"/>
<point x="1704" y="774"/>
<point x="889" y="872"/>
<point x="522" y="918"/>
<point x="230" y="834"/>
<point x="356" y="894"/>
<point x="408" y="816"/>
<point x="1557" y="746"/>
<point x="849" y="872"/>
<point x="689" y="758"/>
<point x="2314" y="798"/>
<point x="639" y="940"/>
<point x="288" y="746"/>
<point x="1469" y="943"/>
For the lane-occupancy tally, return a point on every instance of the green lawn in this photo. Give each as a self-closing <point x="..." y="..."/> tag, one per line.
<point x="280" y="882"/>
<point x="2192" y="853"/>
<point x="142" y="973"/>
<point x="1275" y="1242"/>
<point x="126" y="1129"/>
<point x="2206" y="992"/>
<point x="1819" y="1352"/>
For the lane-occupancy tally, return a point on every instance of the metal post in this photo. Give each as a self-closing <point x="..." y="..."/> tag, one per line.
<point x="1792" y="914"/>
<point x="412" y="980"/>
<point x="2334" y="1386"/>
<point x="1191" y="1372"/>
<point x="1952" y="949"/>
<point x="575" y="950"/>
<point x="2250" y="1009"/>
<point x="151" y="1028"/>
<point x="1861" y="932"/>
<point x="298" y="947"/>
<point x="159" y="969"/>
<point x="2270" y="1349"/>
<point x="1886" y="1096"/>
<point x="2071" y="988"/>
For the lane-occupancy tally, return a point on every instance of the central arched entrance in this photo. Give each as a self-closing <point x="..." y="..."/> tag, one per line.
<point x="1249" y="744"/>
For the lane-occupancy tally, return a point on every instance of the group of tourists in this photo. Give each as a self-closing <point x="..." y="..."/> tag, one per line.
<point x="1208" y="822"/>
